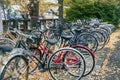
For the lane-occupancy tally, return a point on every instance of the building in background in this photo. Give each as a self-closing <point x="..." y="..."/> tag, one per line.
<point x="48" y="14"/>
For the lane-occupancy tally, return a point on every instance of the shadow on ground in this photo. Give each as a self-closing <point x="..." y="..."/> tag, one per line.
<point x="114" y="63"/>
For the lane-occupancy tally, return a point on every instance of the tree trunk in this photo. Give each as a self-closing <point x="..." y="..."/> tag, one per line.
<point x="34" y="11"/>
<point x="60" y="2"/>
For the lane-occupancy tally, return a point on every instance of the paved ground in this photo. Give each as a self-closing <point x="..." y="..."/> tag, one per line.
<point x="107" y="61"/>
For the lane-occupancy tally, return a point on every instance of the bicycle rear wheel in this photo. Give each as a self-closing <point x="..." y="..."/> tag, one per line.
<point x="15" y="68"/>
<point x="88" y="40"/>
<point x="101" y="39"/>
<point x="66" y="69"/>
<point x="89" y="58"/>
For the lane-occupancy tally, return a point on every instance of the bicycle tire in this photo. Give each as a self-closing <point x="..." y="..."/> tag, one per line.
<point x="68" y="74"/>
<point x="87" y="37"/>
<point x="11" y="75"/>
<point x="89" y="58"/>
<point x="106" y="35"/>
<point x="101" y="39"/>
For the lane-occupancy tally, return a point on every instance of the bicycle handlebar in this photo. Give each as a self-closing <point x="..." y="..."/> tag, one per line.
<point x="22" y="34"/>
<point x="25" y="35"/>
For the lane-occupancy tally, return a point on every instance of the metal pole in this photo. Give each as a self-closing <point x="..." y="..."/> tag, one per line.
<point x="1" y="23"/>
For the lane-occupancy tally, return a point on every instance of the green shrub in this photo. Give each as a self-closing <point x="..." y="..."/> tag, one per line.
<point x="105" y="10"/>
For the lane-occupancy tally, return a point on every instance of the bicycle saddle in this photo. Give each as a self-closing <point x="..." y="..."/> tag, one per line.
<point x="79" y="31"/>
<point x="51" y="41"/>
<point x="66" y="36"/>
<point x="6" y="48"/>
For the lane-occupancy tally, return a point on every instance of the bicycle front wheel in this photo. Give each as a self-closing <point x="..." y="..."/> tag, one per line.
<point x="15" y="68"/>
<point x="65" y="67"/>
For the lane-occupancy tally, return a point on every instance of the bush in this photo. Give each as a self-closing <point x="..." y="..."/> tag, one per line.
<point x="107" y="11"/>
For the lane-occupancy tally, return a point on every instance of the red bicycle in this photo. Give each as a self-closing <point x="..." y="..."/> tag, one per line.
<point x="45" y="52"/>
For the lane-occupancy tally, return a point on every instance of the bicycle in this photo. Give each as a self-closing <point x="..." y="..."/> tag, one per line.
<point x="31" y="57"/>
<point x="15" y="68"/>
<point x="73" y="45"/>
<point x="63" y="65"/>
